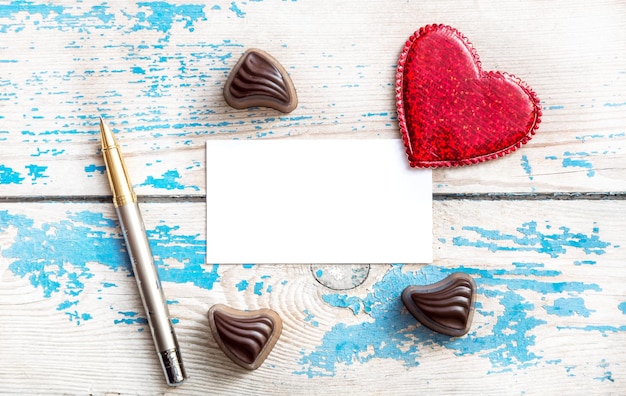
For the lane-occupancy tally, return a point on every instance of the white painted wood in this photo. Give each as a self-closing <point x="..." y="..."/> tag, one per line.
<point x="159" y="83"/>
<point x="560" y="305"/>
<point x="551" y="306"/>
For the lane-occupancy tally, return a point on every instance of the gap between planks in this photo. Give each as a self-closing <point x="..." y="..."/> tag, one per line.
<point x="556" y="196"/>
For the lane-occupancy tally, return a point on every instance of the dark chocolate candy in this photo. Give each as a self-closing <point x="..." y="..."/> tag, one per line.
<point x="446" y="307"/>
<point x="246" y="337"/>
<point x="259" y="80"/>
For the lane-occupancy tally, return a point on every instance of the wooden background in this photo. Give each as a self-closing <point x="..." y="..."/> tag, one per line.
<point x="542" y="230"/>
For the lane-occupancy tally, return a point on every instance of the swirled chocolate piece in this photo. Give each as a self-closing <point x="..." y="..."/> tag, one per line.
<point x="246" y="337"/>
<point x="259" y="80"/>
<point x="446" y="307"/>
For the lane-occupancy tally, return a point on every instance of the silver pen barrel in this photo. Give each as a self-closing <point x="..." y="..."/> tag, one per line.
<point x="142" y="260"/>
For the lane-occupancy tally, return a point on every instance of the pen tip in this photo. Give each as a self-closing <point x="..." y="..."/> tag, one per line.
<point x="108" y="140"/>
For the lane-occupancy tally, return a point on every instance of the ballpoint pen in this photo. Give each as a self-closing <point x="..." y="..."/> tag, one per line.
<point x="140" y="254"/>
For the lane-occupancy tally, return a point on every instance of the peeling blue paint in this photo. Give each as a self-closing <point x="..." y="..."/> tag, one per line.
<point x="602" y="329"/>
<point x="530" y="238"/>
<point x="622" y="307"/>
<point x="9" y="176"/>
<point x="36" y="172"/>
<point x="526" y="167"/>
<point x="163" y="15"/>
<point x="569" y="307"/>
<point x="53" y="152"/>
<point x="242" y="286"/>
<point x="585" y="262"/>
<point x="67" y="250"/>
<point x="389" y="332"/>
<point x="235" y="8"/>
<point x="310" y="318"/>
<point x="130" y="318"/>
<point x="78" y="318"/>
<point x="101" y="169"/>
<point x="168" y="181"/>
<point x="579" y="163"/>
<point x="356" y="304"/>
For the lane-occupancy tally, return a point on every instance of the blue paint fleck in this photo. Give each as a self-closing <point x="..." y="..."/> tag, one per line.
<point x="66" y="304"/>
<point x="310" y="318"/>
<point x="130" y="318"/>
<point x="569" y="307"/>
<point x="78" y="318"/>
<point x="258" y="288"/>
<point x="569" y="162"/>
<point x="622" y="307"/>
<point x="9" y="176"/>
<point x="163" y="15"/>
<point x="53" y="152"/>
<point x="234" y="8"/>
<point x="606" y="375"/>
<point x="95" y="168"/>
<point x="168" y="181"/>
<point x="36" y="172"/>
<point x="585" y="262"/>
<point x="602" y="329"/>
<point x="593" y="136"/>
<point x="526" y="167"/>
<point x="531" y="239"/>
<point x="137" y="70"/>
<point x="242" y="286"/>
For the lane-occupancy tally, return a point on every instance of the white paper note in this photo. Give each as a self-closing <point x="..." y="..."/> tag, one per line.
<point x="291" y="200"/>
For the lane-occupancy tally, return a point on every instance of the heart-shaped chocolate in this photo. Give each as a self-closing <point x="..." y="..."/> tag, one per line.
<point x="258" y="79"/>
<point x="453" y="113"/>
<point x="246" y="337"/>
<point x="446" y="307"/>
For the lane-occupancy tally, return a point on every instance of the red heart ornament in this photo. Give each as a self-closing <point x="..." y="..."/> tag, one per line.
<point x="453" y="113"/>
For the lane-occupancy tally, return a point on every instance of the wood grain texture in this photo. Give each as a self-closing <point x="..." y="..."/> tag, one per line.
<point x="156" y="72"/>
<point x="551" y="308"/>
<point x="549" y="278"/>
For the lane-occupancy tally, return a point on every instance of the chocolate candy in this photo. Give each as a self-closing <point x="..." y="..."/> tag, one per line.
<point x="446" y="307"/>
<point x="246" y="337"/>
<point x="258" y="80"/>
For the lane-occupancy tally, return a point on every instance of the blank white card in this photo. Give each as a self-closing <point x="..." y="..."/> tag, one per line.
<point x="289" y="201"/>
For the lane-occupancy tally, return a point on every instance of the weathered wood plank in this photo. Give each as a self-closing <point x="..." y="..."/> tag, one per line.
<point x="156" y="70"/>
<point x="550" y="311"/>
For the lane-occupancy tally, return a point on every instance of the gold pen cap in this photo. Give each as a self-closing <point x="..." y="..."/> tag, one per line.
<point x="121" y="186"/>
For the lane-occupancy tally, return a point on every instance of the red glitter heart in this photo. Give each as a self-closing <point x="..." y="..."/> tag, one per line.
<point x="453" y="113"/>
